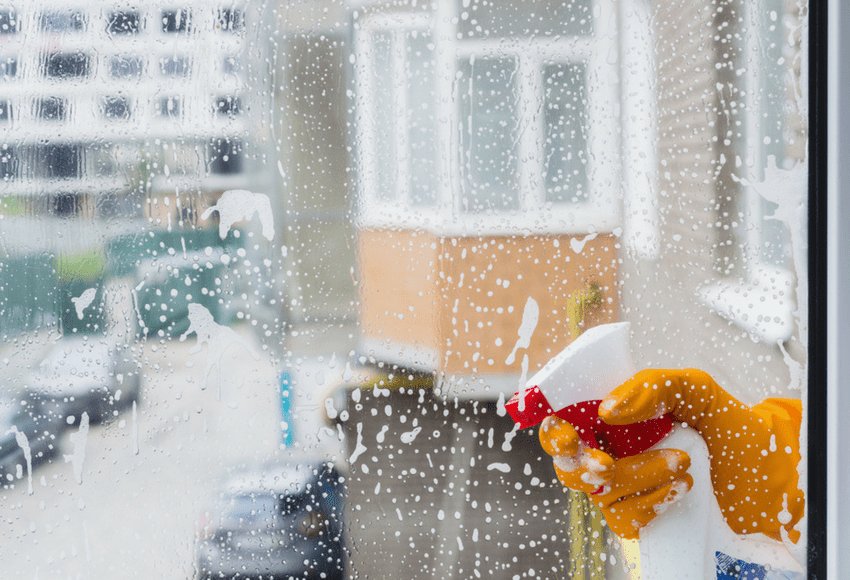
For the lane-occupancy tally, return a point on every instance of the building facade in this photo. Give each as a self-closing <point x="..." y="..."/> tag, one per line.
<point x="93" y="132"/>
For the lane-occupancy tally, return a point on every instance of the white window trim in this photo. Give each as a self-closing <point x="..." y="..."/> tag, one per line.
<point x="603" y="213"/>
<point x="641" y="235"/>
<point x="764" y="301"/>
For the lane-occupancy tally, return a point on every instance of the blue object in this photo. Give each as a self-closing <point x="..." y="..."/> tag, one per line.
<point x="286" y="426"/>
<point x="731" y="568"/>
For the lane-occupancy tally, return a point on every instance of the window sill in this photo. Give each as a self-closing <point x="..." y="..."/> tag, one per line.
<point x="444" y="221"/>
<point x="762" y="306"/>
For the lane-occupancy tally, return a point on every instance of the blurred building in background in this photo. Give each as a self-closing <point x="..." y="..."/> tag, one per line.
<point x="114" y="118"/>
<point x="77" y="118"/>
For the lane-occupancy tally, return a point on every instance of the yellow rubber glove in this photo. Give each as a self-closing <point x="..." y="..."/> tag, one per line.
<point x="754" y="451"/>
<point x="632" y="490"/>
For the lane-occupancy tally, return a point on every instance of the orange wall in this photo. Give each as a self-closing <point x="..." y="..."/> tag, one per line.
<point x="397" y="287"/>
<point x="468" y="294"/>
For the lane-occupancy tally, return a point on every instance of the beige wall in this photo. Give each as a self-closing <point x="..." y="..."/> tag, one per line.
<point x="673" y="327"/>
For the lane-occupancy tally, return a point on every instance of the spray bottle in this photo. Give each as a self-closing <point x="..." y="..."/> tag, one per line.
<point x="685" y="542"/>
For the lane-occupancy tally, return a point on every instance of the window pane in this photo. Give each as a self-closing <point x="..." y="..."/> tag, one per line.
<point x="565" y="151"/>
<point x="488" y="107"/>
<point x="116" y="108"/>
<point x="230" y="19"/>
<point x="66" y="65"/>
<point x="176" y="20"/>
<point x="385" y="89"/>
<point x="8" y="22"/>
<point x="422" y="122"/>
<point x="69" y="21"/>
<point x="516" y="18"/>
<point x="8" y="69"/>
<point x="227" y="106"/>
<point x="126" y="67"/>
<point x="174" y="66"/>
<point x="124" y="23"/>
<point x="52" y="109"/>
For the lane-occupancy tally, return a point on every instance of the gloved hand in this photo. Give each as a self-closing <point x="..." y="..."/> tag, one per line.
<point x="753" y="452"/>
<point x="630" y="491"/>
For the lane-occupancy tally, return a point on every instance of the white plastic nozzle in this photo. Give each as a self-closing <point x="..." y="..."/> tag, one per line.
<point x="592" y="366"/>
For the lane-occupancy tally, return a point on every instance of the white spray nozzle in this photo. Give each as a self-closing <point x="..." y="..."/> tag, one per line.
<point x="592" y="366"/>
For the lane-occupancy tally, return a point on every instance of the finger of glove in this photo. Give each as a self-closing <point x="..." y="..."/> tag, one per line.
<point x="651" y="393"/>
<point x="586" y="471"/>
<point x="630" y="514"/>
<point x="641" y="474"/>
<point x="558" y="437"/>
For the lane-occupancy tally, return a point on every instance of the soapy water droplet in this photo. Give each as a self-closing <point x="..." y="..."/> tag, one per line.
<point x="498" y="466"/>
<point x="409" y="436"/>
<point x="78" y="440"/>
<point x="83" y="301"/>
<point x="382" y="435"/>
<point x="530" y="317"/>
<point x="238" y="204"/>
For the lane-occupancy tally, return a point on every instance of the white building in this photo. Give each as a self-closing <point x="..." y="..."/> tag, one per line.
<point x="100" y="100"/>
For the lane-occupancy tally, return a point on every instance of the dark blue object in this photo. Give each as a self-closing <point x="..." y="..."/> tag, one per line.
<point x="729" y="568"/>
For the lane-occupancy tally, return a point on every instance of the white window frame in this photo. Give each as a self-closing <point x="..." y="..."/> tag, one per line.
<point x="763" y="299"/>
<point x="600" y="214"/>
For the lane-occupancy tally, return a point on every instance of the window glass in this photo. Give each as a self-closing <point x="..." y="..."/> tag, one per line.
<point x="120" y="23"/>
<point x="511" y="19"/>
<point x="227" y="106"/>
<point x="271" y="273"/>
<point x="230" y="19"/>
<point x="565" y="151"/>
<point x="8" y="21"/>
<point x="62" y="21"/>
<point x="116" y="107"/>
<point x="51" y="109"/>
<point x="422" y="136"/>
<point x="66" y="65"/>
<point x="385" y="88"/>
<point x="488" y="102"/>
<point x="169" y="106"/>
<point x="176" y="20"/>
<point x="5" y="111"/>
<point x="174" y="66"/>
<point x="8" y="68"/>
<point x="230" y="65"/>
<point x="126" y="67"/>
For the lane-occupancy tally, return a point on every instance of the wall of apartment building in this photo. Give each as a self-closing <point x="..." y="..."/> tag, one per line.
<point x="313" y="138"/>
<point x="673" y="326"/>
